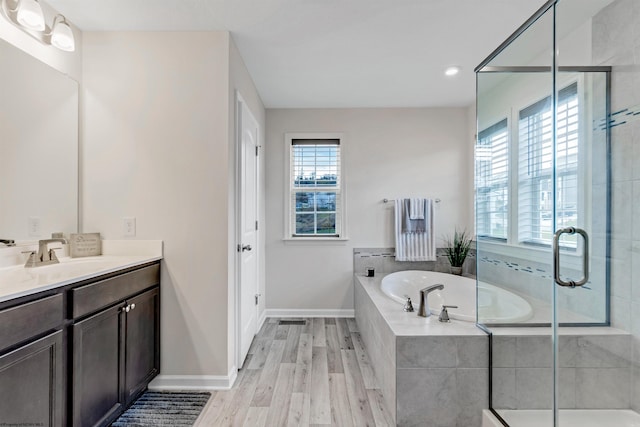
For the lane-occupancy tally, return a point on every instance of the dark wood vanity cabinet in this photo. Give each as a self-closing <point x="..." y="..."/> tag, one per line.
<point x="98" y="352"/>
<point x="32" y="363"/>
<point x="115" y="350"/>
<point x="142" y="338"/>
<point x="31" y="383"/>
<point x="85" y="368"/>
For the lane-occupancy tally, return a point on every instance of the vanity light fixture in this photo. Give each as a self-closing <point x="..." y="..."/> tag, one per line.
<point x="451" y="71"/>
<point x="27" y="15"/>
<point x="62" y="35"/>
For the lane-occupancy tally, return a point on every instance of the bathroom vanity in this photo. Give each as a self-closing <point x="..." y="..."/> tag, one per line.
<point x="79" y="341"/>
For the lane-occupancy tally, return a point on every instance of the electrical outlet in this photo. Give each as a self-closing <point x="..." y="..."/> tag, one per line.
<point x="129" y="226"/>
<point x="33" y="224"/>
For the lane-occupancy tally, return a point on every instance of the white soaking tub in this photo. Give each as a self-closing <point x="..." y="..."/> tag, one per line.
<point x="496" y="305"/>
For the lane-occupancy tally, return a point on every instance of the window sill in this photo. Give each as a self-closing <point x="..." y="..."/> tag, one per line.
<point x="319" y="240"/>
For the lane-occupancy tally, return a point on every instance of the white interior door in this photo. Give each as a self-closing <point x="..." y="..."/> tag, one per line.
<point x="248" y="233"/>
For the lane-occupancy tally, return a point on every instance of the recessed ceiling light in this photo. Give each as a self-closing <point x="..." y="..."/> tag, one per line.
<point x="451" y="71"/>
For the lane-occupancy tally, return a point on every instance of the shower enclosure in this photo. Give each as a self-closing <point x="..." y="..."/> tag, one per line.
<point x="544" y="219"/>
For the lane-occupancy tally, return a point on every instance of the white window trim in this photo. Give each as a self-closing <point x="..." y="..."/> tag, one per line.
<point x="511" y="247"/>
<point x="288" y="234"/>
<point x="507" y="116"/>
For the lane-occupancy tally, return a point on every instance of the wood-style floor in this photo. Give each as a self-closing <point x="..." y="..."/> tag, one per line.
<point x="313" y="375"/>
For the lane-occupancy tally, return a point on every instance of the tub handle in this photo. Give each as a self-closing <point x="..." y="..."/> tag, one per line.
<point x="408" y="306"/>
<point x="556" y="257"/>
<point x="444" y="314"/>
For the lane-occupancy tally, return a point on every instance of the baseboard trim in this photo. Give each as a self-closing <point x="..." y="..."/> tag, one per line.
<point x="261" y="319"/>
<point x="194" y="382"/>
<point x="309" y="313"/>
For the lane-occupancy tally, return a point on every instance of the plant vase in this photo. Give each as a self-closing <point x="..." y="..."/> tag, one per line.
<point x="457" y="250"/>
<point x="456" y="270"/>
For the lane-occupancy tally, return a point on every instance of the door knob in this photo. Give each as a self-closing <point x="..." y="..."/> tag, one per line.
<point x="246" y="248"/>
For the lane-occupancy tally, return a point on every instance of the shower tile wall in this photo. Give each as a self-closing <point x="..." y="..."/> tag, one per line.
<point x="595" y="371"/>
<point x="616" y="42"/>
<point x="534" y="279"/>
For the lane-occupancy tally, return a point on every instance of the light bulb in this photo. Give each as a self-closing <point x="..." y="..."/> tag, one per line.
<point x="29" y="15"/>
<point x="62" y="36"/>
<point x="451" y="71"/>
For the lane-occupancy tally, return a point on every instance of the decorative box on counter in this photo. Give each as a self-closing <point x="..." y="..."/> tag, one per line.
<point x="85" y="244"/>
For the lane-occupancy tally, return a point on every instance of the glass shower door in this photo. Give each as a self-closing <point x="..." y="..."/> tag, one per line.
<point x="515" y="202"/>
<point x="542" y="210"/>
<point x="592" y="358"/>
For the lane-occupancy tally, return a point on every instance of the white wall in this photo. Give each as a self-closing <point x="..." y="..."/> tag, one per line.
<point x="156" y="147"/>
<point x="388" y="153"/>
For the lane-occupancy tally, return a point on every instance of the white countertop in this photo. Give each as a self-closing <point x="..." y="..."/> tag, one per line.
<point x="410" y="324"/>
<point x="17" y="281"/>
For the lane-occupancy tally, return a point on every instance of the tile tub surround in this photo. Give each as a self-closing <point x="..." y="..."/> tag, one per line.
<point x="384" y="262"/>
<point x="430" y="373"/>
<point x="534" y="281"/>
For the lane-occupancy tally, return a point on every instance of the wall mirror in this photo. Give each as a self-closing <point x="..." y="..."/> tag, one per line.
<point x="38" y="148"/>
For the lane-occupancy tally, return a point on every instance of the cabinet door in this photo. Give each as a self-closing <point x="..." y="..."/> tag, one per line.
<point x="142" y="342"/>
<point x="31" y="384"/>
<point x="97" y="368"/>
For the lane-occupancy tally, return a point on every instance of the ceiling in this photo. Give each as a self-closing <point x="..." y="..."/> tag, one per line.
<point x="334" y="53"/>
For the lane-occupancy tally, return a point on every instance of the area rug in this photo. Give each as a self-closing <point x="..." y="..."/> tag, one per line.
<point x="156" y="408"/>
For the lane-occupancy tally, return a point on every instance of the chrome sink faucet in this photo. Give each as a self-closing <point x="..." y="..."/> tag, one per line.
<point x="45" y="256"/>
<point x="424" y="311"/>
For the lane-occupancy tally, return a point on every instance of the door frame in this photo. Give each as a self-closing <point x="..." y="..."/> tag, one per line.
<point x="239" y="103"/>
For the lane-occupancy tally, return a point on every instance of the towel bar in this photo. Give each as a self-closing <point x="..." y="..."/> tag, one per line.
<point x="391" y="200"/>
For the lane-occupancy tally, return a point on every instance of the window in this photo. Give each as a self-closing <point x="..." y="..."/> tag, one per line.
<point x="492" y="181"/>
<point x="315" y="187"/>
<point x="525" y="178"/>
<point x="535" y="167"/>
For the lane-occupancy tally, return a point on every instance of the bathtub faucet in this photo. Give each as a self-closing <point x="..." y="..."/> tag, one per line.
<point x="424" y="311"/>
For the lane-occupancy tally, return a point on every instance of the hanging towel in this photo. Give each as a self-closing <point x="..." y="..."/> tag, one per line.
<point x="414" y="246"/>
<point x="410" y="225"/>
<point x="417" y="208"/>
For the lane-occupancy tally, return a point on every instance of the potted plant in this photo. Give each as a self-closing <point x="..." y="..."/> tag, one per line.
<point x="457" y="249"/>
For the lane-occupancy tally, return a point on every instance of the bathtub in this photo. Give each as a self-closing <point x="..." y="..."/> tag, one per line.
<point x="496" y="305"/>
<point x="568" y="418"/>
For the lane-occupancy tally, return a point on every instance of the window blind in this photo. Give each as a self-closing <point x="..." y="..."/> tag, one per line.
<point x="316" y="197"/>
<point x="492" y="181"/>
<point x="536" y="163"/>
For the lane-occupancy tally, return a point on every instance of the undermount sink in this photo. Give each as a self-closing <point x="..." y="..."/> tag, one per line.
<point x="73" y="267"/>
<point x="76" y="265"/>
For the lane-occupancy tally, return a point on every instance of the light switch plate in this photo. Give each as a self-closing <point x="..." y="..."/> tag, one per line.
<point x="129" y="226"/>
<point x="33" y="223"/>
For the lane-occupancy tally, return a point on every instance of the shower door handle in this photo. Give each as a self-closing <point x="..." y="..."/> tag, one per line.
<point x="556" y="257"/>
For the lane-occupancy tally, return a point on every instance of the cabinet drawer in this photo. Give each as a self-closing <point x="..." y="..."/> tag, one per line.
<point x="89" y="298"/>
<point x="20" y="323"/>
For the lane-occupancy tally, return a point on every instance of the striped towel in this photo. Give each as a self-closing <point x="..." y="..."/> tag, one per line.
<point x="416" y="208"/>
<point x="414" y="246"/>
<point x="411" y="225"/>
